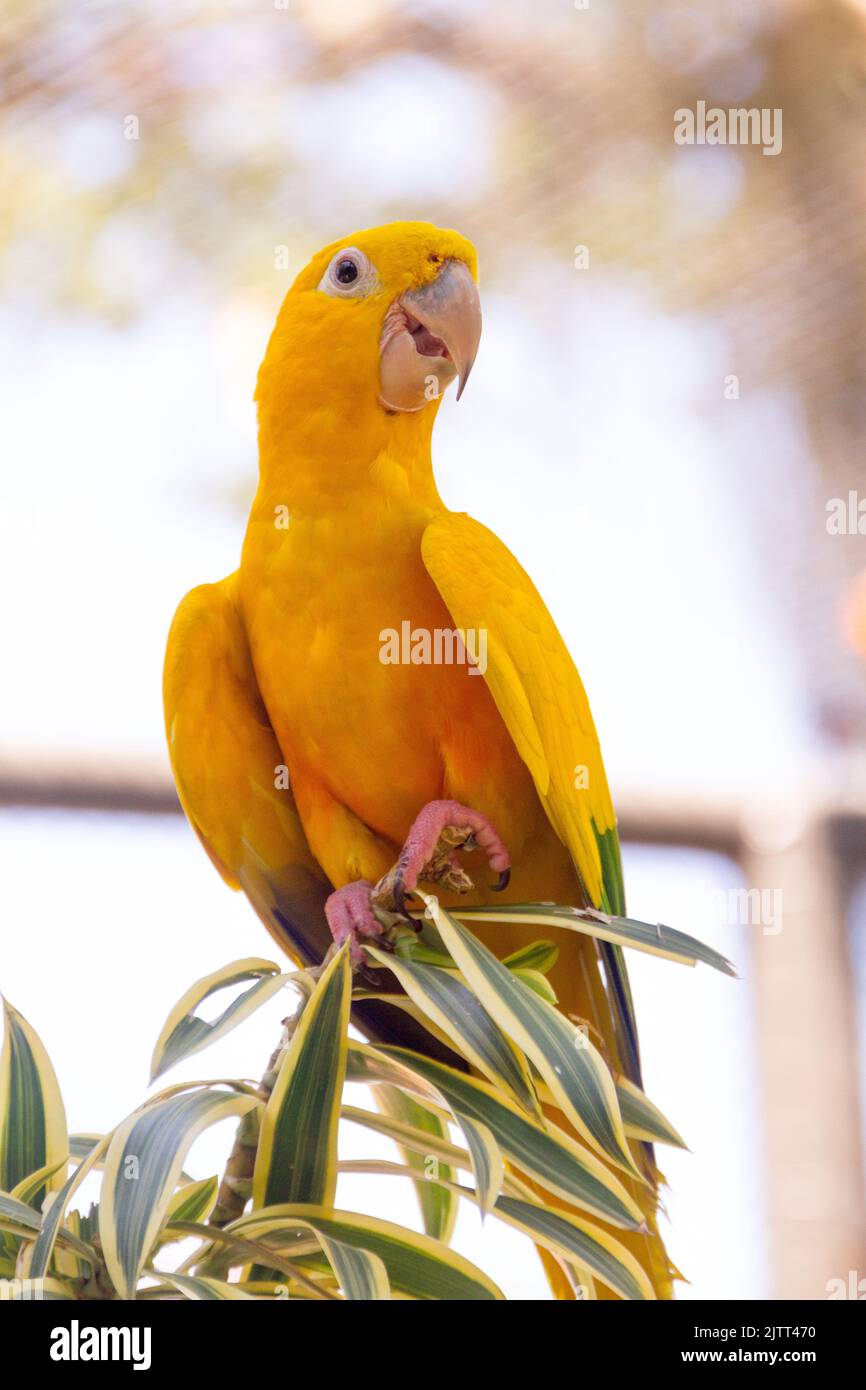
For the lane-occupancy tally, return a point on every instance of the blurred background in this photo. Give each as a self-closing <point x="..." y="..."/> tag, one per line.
<point x="666" y="423"/>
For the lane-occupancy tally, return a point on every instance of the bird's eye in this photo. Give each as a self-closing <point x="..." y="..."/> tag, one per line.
<point x="350" y="274"/>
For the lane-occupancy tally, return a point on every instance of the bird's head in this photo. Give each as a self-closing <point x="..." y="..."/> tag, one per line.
<point x="377" y="325"/>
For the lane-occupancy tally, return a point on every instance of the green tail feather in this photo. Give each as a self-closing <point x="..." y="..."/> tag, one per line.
<point x="613" y="903"/>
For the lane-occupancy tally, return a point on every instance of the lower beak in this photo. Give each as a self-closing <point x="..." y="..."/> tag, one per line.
<point x="431" y="332"/>
<point x="450" y="309"/>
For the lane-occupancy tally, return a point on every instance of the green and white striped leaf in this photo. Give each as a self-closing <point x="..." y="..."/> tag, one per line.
<point x="438" y="1205"/>
<point x="361" y="1275"/>
<point x="224" y="1249"/>
<point x="416" y="1264"/>
<point x="643" y="1119"/>
<point x="66" y="1264"/>
<point x="544" y="1152"/>
<point x="580" y="1243"/>
<point x="538" y="983"/>
<point x="412" y="1139"/>
<point x="297" y="1154"/>
<point x="373" y="1066"/>
<point x="202" y="1289"/>
<point x="193" y="1202"/>
<point x="272" y="1290"/>
<point x="17" y="1216"/>
<point x="573" y="1069"/>
<point x="654" y="939"/>
<point x="401" y="1001"/>
<point x="32" y="1118"/>
<point x="52" y="1219"/>
<point x="14" y="1221"/>
<point x="576" y="1241"/>
<point x="460" y="1016"/>
<point x="487" y="1165"/>
<point x="447" y="1155"/>
<point x="81" y="1144"/>
<point x="183" y="1034"/>
<point x="483" y="1157"/>
<point x="19" y="1220"/>
<point x="536" y="955"/>
<point x="28" y="1188"/>
<point x="409" y="945"/>
<point x="142" y="1169"/>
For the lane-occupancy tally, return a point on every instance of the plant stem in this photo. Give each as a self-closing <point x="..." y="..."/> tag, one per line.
<point x="236" y="1186"/>
<point x="235" y="1189"/>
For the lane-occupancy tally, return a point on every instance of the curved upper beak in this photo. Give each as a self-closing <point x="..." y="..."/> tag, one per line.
<point x="450" y="309"/>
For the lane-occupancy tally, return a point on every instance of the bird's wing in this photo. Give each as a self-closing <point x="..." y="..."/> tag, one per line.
<point x="536" y="687"/>
<point x="540" y="696"/>
<point x="227" y="766"/>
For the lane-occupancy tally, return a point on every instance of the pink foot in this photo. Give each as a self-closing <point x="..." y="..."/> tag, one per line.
<point x="350" y="916"/>
<point x="421" y="844"/>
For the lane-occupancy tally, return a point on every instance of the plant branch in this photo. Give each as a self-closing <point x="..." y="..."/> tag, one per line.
<point x="237" y="1181"/>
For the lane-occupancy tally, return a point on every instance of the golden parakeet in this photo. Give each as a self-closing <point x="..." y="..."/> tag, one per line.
<point x="309" y="756"/>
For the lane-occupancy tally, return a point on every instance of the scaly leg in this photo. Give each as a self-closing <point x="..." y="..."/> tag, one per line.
<point x="439" y="830"/>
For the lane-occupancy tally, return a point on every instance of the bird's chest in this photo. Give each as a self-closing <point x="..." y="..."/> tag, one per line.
<point x="367" y="682"/>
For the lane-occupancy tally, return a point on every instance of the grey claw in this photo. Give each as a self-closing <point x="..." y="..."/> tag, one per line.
<point x="398" y="893"/>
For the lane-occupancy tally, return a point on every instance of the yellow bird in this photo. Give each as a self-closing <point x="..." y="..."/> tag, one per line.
<point x="323" y="721"/>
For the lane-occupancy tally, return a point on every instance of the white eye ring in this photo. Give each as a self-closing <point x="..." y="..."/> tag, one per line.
<point x="349" y="275"/>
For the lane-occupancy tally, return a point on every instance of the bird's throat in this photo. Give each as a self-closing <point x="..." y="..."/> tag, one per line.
<point x="309" y="469"/>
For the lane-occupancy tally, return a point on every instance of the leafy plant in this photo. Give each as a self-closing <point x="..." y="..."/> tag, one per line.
<point x="271" y="1228"/>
